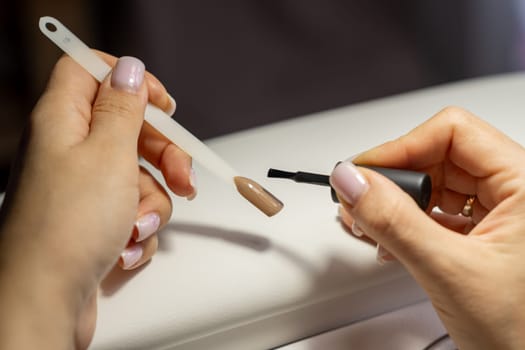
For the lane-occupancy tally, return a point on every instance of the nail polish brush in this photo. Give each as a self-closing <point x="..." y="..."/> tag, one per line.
<point x="176" y="133"/>
<point x="418" y="185"/>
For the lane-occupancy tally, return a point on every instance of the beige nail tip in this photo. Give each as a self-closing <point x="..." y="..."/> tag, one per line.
<point x="258" y="196"/>
<point x="380" y="255"/>
<point x="173" y="106"/>
<point x="356" y="230"/>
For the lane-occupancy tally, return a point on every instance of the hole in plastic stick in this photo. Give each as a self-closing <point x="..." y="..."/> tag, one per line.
<point x="51" y="27"/>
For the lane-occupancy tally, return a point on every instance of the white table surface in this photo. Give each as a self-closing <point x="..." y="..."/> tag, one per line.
<point x="413" y="327"/>
<point x="227" y="277"/>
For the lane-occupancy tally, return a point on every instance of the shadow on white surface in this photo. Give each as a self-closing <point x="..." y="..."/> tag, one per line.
<point x="117" y="278"/>
<point x="237" y="237"/>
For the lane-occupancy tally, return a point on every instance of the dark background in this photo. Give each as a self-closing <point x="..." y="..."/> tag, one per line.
<point x="235" y="64"/>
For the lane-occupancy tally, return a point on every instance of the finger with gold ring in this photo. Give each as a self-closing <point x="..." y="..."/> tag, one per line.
<point x="468" y="208"/>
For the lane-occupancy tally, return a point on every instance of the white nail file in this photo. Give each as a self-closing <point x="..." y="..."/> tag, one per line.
<point x="98" y="68"/>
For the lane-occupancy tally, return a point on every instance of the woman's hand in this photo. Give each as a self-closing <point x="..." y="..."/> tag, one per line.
<point x="471" y="267"/>
<point x="78" y="202"/>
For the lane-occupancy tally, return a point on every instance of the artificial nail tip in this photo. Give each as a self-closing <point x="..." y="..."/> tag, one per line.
<point x="261" y="198"/>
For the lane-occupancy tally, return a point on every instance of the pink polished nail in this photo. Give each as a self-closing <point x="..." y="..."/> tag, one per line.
<point x="348" y="182"/>
<point x="131" y="255"/>
<point x="147" y="225"/>
<point x="128" y="74"/>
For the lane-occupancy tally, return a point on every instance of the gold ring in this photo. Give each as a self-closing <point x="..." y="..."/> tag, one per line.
<point x="468" y="208"/>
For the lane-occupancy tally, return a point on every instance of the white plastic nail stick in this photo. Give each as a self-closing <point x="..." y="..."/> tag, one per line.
<point x="98" y="68"/>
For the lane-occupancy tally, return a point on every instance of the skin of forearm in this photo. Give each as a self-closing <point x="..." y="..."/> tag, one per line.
<point x="38" y="311"/>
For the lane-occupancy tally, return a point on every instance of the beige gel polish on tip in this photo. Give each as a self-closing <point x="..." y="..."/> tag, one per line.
<point x="258" y="195"/>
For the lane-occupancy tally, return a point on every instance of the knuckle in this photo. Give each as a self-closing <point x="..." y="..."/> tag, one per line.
<point x="64" y="59"/>
<point x="456" y="115"/>
<point x="452" y="110"/>
<point x="164" y="204"/>
<point x="118" y="108"/>
<point x="386" y="221"/>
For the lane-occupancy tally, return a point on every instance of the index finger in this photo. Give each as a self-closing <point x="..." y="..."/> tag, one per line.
<point x="452" y="139"/>
<point x="453" y="134"/>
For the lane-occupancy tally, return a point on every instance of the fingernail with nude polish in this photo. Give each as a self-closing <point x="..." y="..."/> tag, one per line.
<point x="128" y="74"/>
<point x="348" y="182"/>
<point x="130" y="256"/>
<point x="173" y="106"/>
<point x="381" y="254"/>
<point x="193" y="183"/>
<point x="356" y="230"/>
<point x="147" y="225"/>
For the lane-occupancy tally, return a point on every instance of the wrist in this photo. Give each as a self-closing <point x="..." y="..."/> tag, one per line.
<point x="39" y="309"/>
<point x="34" y="320"/>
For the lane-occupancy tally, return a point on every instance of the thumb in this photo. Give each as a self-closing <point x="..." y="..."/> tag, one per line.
<point x="118" y="110"/>
<point x="387" y="214"/>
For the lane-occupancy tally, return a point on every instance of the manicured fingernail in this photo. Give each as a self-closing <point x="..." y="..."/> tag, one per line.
<point x="147" y="225"/>
<point x="173" y="106"/>
<point x="128" y="74"/>
<point x="356" y="230"/>
<point x="381" y="254"/>
<point x="193" y="183"/>
<point x="348" y="182"/>
<point x="130" y="256"/>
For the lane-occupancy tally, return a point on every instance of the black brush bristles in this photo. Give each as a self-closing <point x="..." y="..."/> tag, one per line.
<point x="300" y="176"/>
<point x="280" y="174"/>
